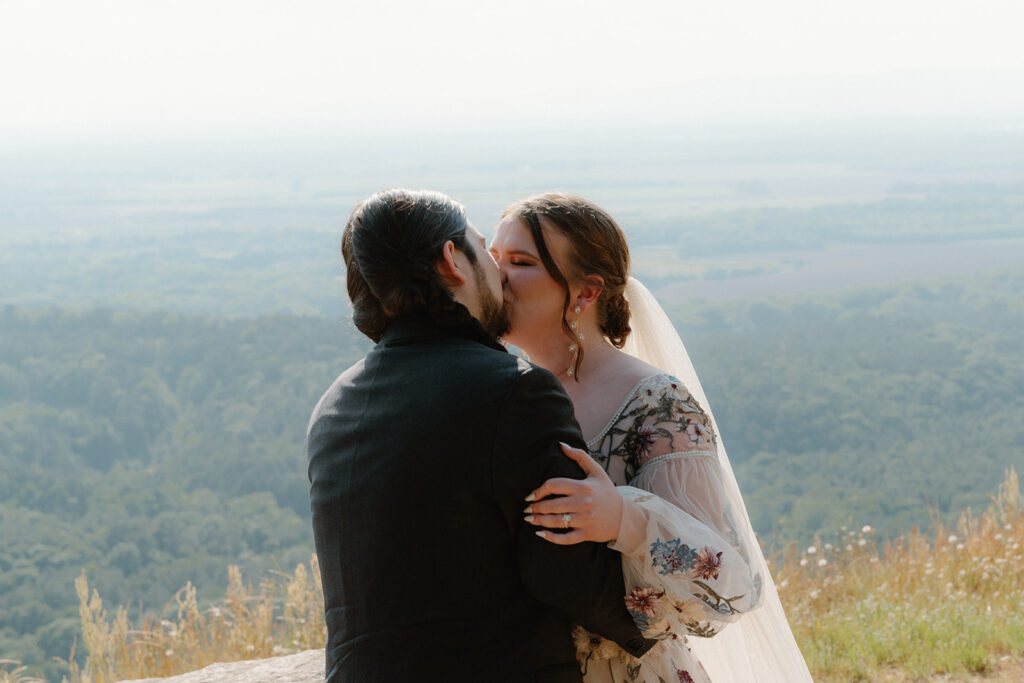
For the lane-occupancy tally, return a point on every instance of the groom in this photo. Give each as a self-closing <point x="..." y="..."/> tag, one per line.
<point x="420" y="457"/>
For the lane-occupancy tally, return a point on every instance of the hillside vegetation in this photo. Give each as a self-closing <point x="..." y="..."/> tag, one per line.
<point x="948" y="600"/>
<point x="154" y="450"/>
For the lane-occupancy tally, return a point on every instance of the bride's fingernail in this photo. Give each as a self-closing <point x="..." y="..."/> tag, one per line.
<point x="528" y="510"/>
<point x="542" y="534"/>
<point x="528" y="519"/>
<point x="530" y="498"/>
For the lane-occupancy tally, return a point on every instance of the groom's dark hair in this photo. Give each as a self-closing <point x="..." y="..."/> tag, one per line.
<point x="391" y="245"/>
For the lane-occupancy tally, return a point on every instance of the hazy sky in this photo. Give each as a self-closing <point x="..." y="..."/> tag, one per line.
<point x="248" y="65"/>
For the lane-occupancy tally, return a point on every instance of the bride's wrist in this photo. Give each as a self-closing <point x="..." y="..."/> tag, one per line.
<point x="632" y="527"/>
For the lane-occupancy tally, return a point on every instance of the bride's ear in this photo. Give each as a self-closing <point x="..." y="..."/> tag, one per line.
<point x="589" y="290"/>
<point x="450" y="269"/>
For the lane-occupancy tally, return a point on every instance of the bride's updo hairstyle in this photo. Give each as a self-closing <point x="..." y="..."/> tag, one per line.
<point x="391" y="245"/>
<point x="597" y="247"/>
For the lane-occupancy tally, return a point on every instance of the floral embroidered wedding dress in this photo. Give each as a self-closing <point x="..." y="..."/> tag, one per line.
<point x="687" y="572"/>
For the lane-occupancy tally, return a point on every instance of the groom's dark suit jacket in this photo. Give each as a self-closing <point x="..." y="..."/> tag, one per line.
<point x="420" y="457"/>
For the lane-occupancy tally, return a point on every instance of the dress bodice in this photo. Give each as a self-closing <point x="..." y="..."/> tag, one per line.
<point x="658" y="418"/>
<point x="686" y="571"/>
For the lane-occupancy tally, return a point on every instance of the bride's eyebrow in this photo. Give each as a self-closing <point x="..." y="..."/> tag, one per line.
<point x="520" y="252"/>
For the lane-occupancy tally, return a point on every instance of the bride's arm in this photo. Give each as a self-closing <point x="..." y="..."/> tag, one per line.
<point x="683" y="561"/>
<point x="684" y="539"/>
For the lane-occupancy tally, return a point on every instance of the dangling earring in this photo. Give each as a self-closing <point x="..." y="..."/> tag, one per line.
<point x="574" y="348"/>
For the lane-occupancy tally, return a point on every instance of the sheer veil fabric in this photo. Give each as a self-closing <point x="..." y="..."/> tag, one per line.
<point x="760" y="645"/>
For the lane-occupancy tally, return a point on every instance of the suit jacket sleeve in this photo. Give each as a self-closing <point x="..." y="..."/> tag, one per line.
<point x="584" y="580"/>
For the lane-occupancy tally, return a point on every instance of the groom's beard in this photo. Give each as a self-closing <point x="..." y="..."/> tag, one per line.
<point x="493" y="315"/>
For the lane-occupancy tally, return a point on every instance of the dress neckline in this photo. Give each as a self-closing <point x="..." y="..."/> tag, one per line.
<point x="625" y="402"/>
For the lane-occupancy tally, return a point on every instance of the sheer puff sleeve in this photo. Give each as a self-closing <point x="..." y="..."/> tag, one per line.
<point x="685" y="569"/>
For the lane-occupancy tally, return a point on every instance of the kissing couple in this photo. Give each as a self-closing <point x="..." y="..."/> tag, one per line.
<point x="483" y="517"/>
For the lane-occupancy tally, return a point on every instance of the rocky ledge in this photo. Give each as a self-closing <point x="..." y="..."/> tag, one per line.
<point x="301" y="667"/>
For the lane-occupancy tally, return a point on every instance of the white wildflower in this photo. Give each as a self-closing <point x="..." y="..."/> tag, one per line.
<point x="811" y="550"/>
<point x="866" y="529"/>
<point x="822" y="562"/>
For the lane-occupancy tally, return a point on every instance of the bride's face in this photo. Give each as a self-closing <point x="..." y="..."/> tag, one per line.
<point x="533" y="299"/>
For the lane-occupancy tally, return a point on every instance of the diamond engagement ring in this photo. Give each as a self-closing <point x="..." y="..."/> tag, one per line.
<point x="566" y="520"/>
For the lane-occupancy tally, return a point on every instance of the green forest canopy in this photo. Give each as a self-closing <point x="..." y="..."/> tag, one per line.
<point x="152" y="449"/>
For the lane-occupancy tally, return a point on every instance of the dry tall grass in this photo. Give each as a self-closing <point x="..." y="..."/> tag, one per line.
<point x="11" y="671"/>
<point x="950" y="600"/>
<point x="282" y="616"/>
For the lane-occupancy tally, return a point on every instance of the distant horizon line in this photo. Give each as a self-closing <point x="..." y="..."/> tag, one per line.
<point x="637" y="128"/>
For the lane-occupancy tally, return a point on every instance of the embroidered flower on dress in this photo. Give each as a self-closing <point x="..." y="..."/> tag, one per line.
<point x="645" y="438"/>
<point x="708" y="564"/>
<point x="690" y="611"/>
<point x="695" y="432"/>
<point x="684" y="676"/>
<point x="644" y="600"/>
<point x="590" y="646"/>
<point x="673" y="556"/>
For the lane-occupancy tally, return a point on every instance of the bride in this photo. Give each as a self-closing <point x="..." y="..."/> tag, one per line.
<point x="690" y="557"/>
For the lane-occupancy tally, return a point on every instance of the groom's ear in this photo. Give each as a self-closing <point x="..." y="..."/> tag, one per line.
<point x="589" y="291"/>
<point x="452" y="266"/>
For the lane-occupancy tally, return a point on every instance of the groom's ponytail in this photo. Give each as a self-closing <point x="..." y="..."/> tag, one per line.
<point x="367" y="313"/>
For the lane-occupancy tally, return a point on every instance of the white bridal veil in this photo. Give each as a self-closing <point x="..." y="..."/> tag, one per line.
<point x="759" y="647"/>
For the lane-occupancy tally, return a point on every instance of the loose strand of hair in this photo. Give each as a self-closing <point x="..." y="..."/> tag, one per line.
<point x="533" y="221"/>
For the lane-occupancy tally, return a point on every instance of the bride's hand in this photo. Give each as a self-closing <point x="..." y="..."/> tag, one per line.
<point x="593" y="505"/>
